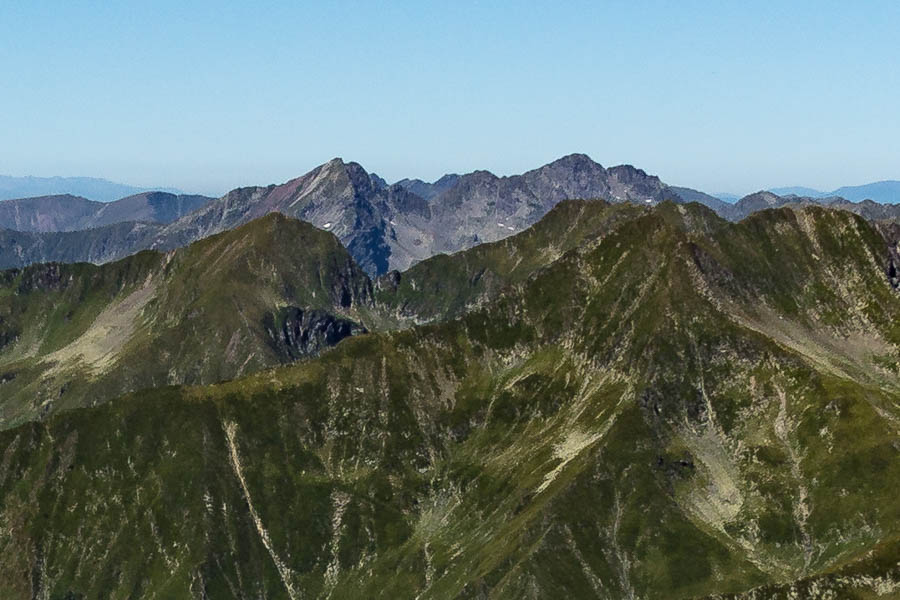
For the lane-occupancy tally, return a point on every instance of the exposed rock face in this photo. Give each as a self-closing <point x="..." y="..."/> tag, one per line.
<point x="429" y="190"/>
<point x="47" y="213"/>
<point x="296" y="332"/>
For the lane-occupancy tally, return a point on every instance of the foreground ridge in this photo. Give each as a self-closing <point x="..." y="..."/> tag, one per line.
<point x="644" y="402"/>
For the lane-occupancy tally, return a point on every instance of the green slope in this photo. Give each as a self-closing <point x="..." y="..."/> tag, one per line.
<point x="445" y="286"/>
<point x="263" y="294"/>
<point x="678" y="408"/>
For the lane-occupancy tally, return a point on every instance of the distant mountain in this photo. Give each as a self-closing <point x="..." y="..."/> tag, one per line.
<point x="150" y="207"/>
<point x="799" y="191"/>
<point x="47" y="213"/>
<point x="762" y="200"/>
<point x="429" y="190"/>
<point x="100" y="190"/>
<point x="72" y="213"/>
<point x="881" y="191"/>
<point x="98" y="245"/>
<point x="886" y="192"/>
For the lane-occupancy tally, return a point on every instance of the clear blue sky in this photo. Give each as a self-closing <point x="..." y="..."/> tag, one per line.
<point x="206" y="96"/>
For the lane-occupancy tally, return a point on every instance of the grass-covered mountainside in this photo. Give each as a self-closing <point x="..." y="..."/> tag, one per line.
<point x="445" y="286"/>
<point x="263" y="294"/>
<point x="664" y="405"/>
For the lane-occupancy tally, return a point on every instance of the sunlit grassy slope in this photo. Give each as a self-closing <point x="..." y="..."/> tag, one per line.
<point x="670" y="406"/>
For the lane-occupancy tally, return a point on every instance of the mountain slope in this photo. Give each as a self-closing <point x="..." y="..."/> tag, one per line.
<point x="762" y="200"/>
<point x="47" y="213"/>
<point x="148" y="207"/>
<point x="678" y="408"/>
<point x="264" y="294"/>
<point x="689" y="195"/>
<point x="446" y="286"/>
<point x="70" y="213"/>
<point x="102" y="244"/>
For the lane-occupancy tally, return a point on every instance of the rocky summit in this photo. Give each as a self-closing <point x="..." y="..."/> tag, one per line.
<point x="621" y="400"/>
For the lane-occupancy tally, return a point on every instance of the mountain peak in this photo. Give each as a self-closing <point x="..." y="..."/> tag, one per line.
<point x="762" y="196"/>
<point x="574" y="161"/>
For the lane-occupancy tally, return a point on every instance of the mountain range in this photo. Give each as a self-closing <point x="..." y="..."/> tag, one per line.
<point x="96" y="189"/>
<point x="623" y="400"/>
<point x="385" y="227"/>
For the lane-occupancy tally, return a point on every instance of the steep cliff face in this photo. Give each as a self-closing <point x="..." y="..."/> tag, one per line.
<point x="674" y="406"/>
<point x="297" y="333"/>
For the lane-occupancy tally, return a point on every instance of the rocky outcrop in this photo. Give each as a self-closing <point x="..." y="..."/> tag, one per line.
<point x="295" y="332"/>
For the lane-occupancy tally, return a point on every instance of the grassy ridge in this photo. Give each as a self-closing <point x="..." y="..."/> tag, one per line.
<point x="667" y="410"/>
<point x="234" y="303"/>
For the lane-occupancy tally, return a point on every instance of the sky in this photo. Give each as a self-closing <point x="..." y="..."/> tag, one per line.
<point x="208" y="96"/>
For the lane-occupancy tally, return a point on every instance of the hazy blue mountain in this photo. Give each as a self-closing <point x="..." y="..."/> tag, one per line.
<point x="799" y="190"/>
<point x="92" y="188"/>
<point x="880" y="191"/>
<point x="886" y="192"/>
